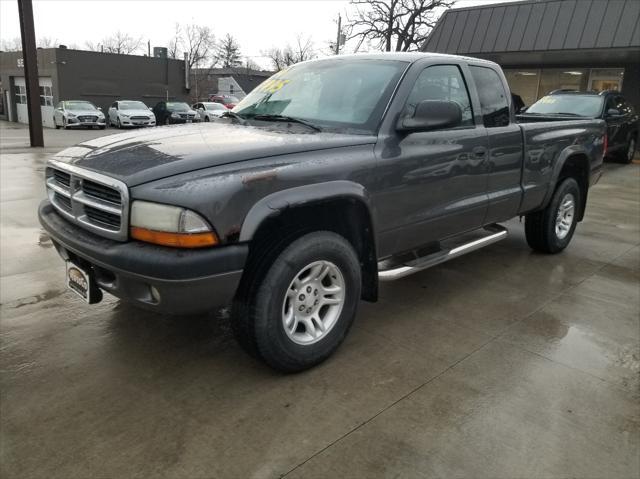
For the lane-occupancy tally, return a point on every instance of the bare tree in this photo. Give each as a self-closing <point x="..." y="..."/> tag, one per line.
<point x="283" y="57"/>
<point x="228" y="52"/>
<point x="395" y="25"/>
<point x="120" y="42"/>
<point x="11" y="45"/>
<point x="47" y="42"/>
<point x="173" y="50"/>
<point x="250" y="64"/>
<point x="197" y="41"/>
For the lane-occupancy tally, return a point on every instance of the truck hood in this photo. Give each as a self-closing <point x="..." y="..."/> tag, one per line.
<point x="140" y="157"/>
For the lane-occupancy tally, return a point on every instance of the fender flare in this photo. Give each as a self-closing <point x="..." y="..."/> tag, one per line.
<point x="565" y="155"/>
<point x="273" y="204"/>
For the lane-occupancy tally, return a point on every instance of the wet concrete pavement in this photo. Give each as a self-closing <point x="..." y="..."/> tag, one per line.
<point x="503" y="363"/>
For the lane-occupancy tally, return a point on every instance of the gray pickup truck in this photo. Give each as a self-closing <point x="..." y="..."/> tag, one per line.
<point x="331" y="176"/>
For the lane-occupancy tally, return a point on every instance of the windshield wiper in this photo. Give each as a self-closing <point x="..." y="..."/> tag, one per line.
<point x="286" y="118"/>
<point x="563" y="113"/>
<point x="235" y="116"/>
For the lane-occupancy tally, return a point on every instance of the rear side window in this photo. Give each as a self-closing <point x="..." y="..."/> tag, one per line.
<point x="492" y="95"/>
<point x="441" y="82"/>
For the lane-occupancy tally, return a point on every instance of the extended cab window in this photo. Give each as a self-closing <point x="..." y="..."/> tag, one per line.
<point x="493" y="97"/>
<point x="441" y="82"/>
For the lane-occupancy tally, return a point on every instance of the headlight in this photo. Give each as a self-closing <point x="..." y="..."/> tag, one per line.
<point x="170" y="226"/>
<point x="175" y="115"/>
<point x="124" y="115"/>
<point x="70" y="115"/>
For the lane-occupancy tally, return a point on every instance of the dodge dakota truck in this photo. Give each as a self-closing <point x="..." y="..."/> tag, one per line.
<point x="331" y="176"/>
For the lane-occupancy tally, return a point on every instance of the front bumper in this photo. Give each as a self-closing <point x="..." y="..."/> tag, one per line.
<point x="185" y="281"/>
<point x="79" y="124"/>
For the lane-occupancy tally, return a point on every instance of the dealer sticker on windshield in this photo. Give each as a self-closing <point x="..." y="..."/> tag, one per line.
<point x="79" y="281"/>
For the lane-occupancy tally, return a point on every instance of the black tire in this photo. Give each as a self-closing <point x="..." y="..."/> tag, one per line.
<point x="56" y="125"/>
<point x="102" y="127"/>
<point x="118" y="124"/>
<point x="540" y="227"/>
<point x="167" y="121"/>
<point x="629" y="150"/>
<point x="206" y="119"/>
<point x="64" y="124"/>
<point x="258" y="308"/>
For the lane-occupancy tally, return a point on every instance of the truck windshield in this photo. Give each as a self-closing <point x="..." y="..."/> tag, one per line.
<point x="580" y="105"/>
<point x="333" y="94"/>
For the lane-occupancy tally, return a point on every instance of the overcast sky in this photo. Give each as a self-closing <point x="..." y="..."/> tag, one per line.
<point x="257" y="25"/>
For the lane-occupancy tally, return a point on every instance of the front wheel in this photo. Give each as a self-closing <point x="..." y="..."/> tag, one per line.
<point x="550" y="230"/>
<point x="298" y="305"/>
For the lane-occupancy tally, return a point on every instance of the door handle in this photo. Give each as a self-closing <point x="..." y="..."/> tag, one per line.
<point x="479" y="151"/>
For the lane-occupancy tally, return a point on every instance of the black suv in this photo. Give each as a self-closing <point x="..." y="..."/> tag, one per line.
<point x="170" y="112"/>
<point x="610" y="106"/>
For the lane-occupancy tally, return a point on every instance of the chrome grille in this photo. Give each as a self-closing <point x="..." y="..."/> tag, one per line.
<point x="145" y="118"/>
<point x="96" y="202"/>
<point x="88" y="118"/>
<point x="101" y="192"/>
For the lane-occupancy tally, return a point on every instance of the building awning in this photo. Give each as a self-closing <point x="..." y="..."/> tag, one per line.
<point x="542" y="31"/>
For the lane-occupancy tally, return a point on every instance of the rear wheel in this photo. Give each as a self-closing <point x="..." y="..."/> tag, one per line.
<point x="299" y="301"/>
<point x="550" y="230"/>
<point x="627" y="155"/>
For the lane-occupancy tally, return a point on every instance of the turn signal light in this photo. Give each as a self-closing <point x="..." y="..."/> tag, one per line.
<point x="177" y="240"/>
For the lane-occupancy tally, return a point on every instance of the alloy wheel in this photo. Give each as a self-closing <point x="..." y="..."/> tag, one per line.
<point x="565" y="216"/>
<point x="313" y="302"/>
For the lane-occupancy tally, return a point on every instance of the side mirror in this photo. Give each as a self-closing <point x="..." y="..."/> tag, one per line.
<point x="150" y="108"/>
<point x="100" y="108"/>
<point x="613" y="112"/>
<point x="432" y="115"/>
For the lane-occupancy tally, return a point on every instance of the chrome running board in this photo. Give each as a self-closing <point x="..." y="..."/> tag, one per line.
<point x="452" y="248"/>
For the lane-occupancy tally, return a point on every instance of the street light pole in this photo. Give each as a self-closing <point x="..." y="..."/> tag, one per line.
<point x="338" y="38"/>
<point x="30" y="59"/>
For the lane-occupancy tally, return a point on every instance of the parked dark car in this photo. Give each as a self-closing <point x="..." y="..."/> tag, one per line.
<point x="229" y="101"/>
<point x="621" y="118"/>
<point x="172" y="112"/>
<point x="330" y="177"/>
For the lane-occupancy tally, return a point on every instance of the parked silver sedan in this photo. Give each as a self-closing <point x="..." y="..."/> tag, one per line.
<point x="127" y="113"/>
<point x="208" y="109"/>
<point x="78" y="114"/>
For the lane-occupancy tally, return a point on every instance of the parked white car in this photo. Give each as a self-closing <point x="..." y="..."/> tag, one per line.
<point x="78" y="114"/>
<point x="208" y="109"/>
<point x="127" y="113"/>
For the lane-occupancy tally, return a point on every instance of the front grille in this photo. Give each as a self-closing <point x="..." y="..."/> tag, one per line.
<point x="88" y="118"/>
<point x="101" y="192"/>
<point x="187" y="116"/>
<point x="62" y="178"/>
<point x="145" y="118"/>
<point x="95" y="202"/>
<point x="63" y="201"/>
<point x="108" y="220"/>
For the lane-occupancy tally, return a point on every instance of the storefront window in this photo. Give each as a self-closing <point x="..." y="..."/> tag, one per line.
<point x="563" y="79"/>
<point x="606" y="79"/>
<point x="21" y="94"/>
<point x="46" y="97"/>
<point x="524" y="83"/>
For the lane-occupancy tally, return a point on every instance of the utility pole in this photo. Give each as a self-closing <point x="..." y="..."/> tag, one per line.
<point x="339" y="34"/>
<point x="149" y="48"/>
<point x="30" y="58"/>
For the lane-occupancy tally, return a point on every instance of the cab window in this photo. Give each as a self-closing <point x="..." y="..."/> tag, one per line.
<point x="492" y="95"/>
<point x="441" y="82"/>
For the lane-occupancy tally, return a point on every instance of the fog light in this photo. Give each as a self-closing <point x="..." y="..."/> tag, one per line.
<point x="155" y="294"/>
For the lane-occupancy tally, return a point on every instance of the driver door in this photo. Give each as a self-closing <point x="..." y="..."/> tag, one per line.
<point x="432" y="184"/>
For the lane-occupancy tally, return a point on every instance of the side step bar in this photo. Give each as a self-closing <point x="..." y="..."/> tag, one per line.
<point x="458" y="247"/>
